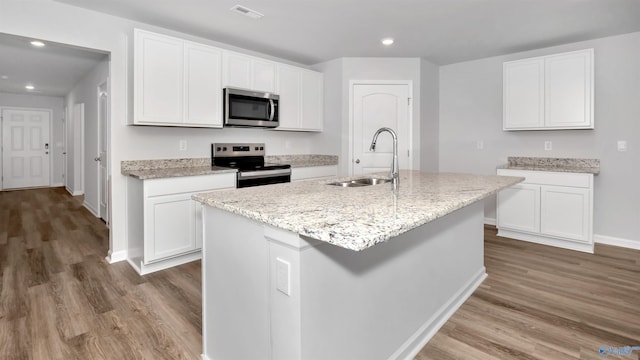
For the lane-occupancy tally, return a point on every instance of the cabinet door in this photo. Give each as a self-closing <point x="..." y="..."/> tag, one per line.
<point x="236" y="70"/>
<point x="566" y="212"/>
<point x="203" y="86"/>
<point x="569" y="90"/>
<point x="288" y="87"/>
<point x="311" y="101"/>
<point x="523" y="94"/>
<point x="519" y="208"/>
<point x="263" y="76"/>
<point x="170" y="224"/>
<point x="159" y="78"/>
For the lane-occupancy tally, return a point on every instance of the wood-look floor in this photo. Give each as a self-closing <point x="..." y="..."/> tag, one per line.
<point x="61" y="300"/>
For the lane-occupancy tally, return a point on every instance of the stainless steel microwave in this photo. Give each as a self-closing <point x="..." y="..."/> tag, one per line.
<point x="250" y="108"/>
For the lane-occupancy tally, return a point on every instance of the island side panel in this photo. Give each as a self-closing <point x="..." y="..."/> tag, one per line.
<point x="384" y="302"/>
<point x="235" y="280"/>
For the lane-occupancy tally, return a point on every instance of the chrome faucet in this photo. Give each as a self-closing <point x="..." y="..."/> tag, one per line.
<point x="394" y="163"/>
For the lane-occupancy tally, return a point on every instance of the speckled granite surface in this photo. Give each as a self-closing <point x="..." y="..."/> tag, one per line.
<point x="303" y="160"/>
<point x="589" y="166"/>
<point x="166" y="168"/>
<point x="359" y="217"/>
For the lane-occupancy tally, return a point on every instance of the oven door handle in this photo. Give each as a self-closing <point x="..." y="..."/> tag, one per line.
<point x="263" y="173"/>
<point x="272" y="109"/>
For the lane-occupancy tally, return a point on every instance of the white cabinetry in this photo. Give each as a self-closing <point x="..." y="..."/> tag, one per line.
<point x="549" y="92"/>
<point x="176" y="82"/>
<point x="551" y="208"/>
<point x="248" y="72"/>
<point x="165" y="224"/>
<point x="301" y="98"/>
<point x="314" y="172"/>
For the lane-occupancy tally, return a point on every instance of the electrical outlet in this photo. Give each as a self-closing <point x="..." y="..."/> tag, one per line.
<point x="622" y="145"/>
<point x="548" y="145"/>
<point x="283" y="274"/>
<point x="183" y="145"/>
<point x="480" y="144"/>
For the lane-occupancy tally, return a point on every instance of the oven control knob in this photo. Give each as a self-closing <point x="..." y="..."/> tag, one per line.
<point x="218" y="148"/>
<point x="261" y="147"/>
<point x="257" y="148"/>
<point x="224" y="148"/>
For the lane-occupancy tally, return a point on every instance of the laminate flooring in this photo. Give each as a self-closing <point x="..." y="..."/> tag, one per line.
<point x="61" y="300"/>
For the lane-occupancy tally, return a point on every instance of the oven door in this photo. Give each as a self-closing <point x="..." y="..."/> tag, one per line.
<point x="248" y="108"/>
<point x="263" y="177"/>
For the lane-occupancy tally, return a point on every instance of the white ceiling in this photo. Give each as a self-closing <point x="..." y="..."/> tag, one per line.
<point x="441" y="31"/>
<point x="53" y="69"/>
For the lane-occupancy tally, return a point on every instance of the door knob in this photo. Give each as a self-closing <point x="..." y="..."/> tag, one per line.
<point x="357" y="161"/>
<point x="97" y="159"/>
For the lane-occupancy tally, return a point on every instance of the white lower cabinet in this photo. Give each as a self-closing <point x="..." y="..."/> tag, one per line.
<point x="314" y="172"/>
<point x="550" y="208"/>
<point x="165" y="224"/>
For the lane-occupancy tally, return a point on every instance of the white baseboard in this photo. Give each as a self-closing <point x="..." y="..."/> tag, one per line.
<point x="490" y="221"/>
<point x="422" y="336"/>
<point x="117" y="256"/>
<point x="74" y="193"/>
<point x="615" y="241"/>
<point x="57" y="185"/>
<point x="90" y="208"/>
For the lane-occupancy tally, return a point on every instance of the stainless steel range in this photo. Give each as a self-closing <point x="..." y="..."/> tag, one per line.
<point x="249" y="160"/>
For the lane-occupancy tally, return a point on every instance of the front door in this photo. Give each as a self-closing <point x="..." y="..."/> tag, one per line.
<point x="374" y="106"/>
<point x="26" y="148"/>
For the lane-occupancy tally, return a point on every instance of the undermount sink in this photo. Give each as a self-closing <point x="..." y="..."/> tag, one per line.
<point x="360" y="182"/>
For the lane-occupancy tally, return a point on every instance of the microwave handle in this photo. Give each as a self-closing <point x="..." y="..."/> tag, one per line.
<point x="272" y="109"/>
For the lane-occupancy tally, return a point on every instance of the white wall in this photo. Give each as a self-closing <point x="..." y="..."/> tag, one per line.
<point x="471" y="110"/>
<point x="56" y="142"/>
<point x="54" y="21"/>
<point x="430" y="113"/>
<point x="86" y="91"/>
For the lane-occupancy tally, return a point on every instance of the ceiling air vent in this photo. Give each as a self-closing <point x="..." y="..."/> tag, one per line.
<point x="246" y="12"/>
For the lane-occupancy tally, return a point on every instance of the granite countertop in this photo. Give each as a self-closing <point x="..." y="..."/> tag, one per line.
<point x="588" y="166"/>
<point x="166" y="168"/>
<point x="359" y="217"/>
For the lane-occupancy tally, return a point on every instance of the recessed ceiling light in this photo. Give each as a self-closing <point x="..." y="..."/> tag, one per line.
<point x="387" y="41"/>
<point x="29" y="87"/>
<point x="4" y="77"/>
<point x="37" y="43"/>
<point x="243" y="10"/>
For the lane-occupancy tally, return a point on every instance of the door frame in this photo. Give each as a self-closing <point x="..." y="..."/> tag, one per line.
<point x="51" y="147"/>
<point x="352" y="84"/>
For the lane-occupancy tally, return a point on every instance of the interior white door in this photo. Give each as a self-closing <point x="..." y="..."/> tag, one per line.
<point x="25" y="156"/>
<point x="375" y="106"/>
<point x="103" y="175"/>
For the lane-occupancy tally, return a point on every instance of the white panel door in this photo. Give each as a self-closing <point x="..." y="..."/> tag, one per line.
<point x="170" y="225"/>
<point x="103" y="143"/>
<point x="203" y="88"/>
<point x="519" y="208"/>
<point x="159" y="78"/>
<point x="568" y="97"/>
<point x="25" y="142"/>
<point x="566" y="212"/>
<point x="523" y="97"/>
<point x="375" y="106"/>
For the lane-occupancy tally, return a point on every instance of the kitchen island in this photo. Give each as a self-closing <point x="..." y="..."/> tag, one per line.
<point x="313" y="271"/>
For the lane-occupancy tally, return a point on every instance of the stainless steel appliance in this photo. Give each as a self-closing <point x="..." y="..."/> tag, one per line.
<point x="249" y="160"/>
<point x="250" y="108"/>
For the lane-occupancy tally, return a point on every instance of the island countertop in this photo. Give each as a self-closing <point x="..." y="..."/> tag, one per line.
<point x="359" y="217"/>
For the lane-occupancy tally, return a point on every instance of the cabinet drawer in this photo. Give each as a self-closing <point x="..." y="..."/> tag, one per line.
<point x="551" y="178"/>
<point x="189" y="184"/>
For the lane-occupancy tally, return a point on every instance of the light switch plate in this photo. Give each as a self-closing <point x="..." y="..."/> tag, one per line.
<point x="548" y="145"/>
<point x="183" y="145"/>
<point x="622" y="145"/>
<point x="283" y="276"/>
<point x="480" y="144"/>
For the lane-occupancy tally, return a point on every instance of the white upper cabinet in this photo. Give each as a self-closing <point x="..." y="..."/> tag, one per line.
<point x="549" y="92"/>
<point x="301" y="99"/>
<point x="248" y="72"/>
<point x="176" y="82"/>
